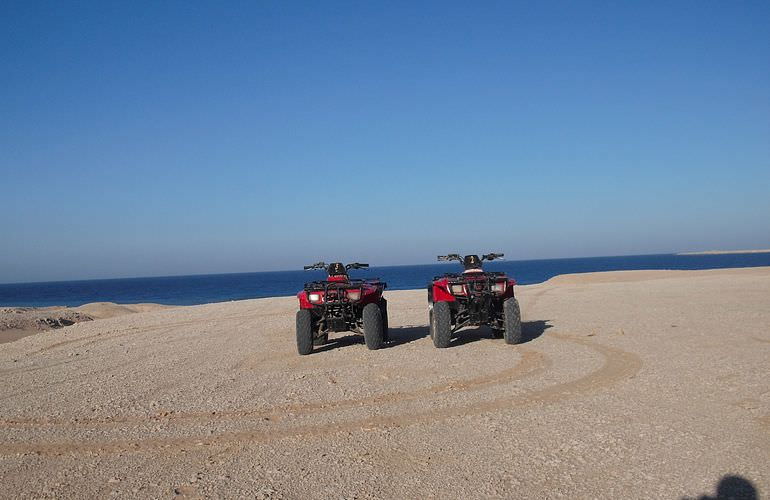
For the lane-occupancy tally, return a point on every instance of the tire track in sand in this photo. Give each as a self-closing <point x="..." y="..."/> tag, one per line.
<point x="618" y="366"/>
<point x="531" y="362"/>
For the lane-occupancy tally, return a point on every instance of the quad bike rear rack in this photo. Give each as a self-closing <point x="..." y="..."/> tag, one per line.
<point x="337" y="309"/>
<point x="495" y="275"/>
<point x="476" y="284"/>
<point x="331" y="288"/>
<point x="478" y="298"/>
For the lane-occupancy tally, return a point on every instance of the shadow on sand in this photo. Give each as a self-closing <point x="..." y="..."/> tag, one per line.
<point x="732" y="488"/>
<point x="530" y="330"/>
<point x="398" y="336"/>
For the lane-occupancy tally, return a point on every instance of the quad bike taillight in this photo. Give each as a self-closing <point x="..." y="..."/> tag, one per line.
<point x="353" y="295"/>
<point x="463" y="289"/>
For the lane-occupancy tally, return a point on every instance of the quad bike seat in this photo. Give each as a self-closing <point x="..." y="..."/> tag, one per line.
<point x="472" y="264"/>
<point x="337" y="272"/>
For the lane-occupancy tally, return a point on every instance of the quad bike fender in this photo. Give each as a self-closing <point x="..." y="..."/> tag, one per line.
<point x="509" y="289"/>
<point x="440" y="293"/>
<point x="370" y="294"/>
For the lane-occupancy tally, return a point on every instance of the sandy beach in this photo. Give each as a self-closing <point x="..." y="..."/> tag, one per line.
<point x="635" y="384"/>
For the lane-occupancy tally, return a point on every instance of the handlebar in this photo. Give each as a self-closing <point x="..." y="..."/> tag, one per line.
<point x="454" y="256"/>
<point x="323" y="265"/>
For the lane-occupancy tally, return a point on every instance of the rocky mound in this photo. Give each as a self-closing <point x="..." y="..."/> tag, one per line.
<point x="39" y="319"/>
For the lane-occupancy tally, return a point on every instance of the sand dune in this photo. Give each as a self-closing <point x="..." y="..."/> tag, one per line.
<point x="636" y="384"/>
<point x="101" y="310"/>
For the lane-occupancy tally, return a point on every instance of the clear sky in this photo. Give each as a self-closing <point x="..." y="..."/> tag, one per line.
<point x="157" y="138"/>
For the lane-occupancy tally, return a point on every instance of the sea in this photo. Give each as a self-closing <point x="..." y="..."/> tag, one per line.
<point x="203" y="289"/>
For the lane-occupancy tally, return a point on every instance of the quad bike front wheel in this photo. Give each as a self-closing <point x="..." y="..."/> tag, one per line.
<point x="441" y="324"/>
<point x="304" y="332"/>
<point x="373" y="326"/>
<point x="512" y="316"/>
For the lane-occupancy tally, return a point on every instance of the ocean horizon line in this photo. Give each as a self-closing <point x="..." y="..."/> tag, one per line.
<point x="222" y="287"/>
<point x="162" y="276"/>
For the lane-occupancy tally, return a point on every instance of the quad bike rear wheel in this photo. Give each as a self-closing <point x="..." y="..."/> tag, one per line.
<point x="512" y="315"/>
<point x="373" y="324"/>
<point x="384" y="313"/>
<point x="441" y="324"/>
<point x="304" y="332"/>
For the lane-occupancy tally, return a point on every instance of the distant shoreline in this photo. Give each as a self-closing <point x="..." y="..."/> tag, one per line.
<point x="723" y="252"/>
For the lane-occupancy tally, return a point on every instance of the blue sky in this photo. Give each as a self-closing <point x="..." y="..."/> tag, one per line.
<point x="158" y="138"/>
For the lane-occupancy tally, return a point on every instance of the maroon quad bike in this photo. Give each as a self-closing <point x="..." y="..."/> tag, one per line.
<point x="473" y="298"/>
<point x="340" y="304"/>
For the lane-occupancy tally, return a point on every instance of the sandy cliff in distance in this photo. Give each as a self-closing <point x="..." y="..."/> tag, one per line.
<point x="19" y="322"/>
<point x="720" y="252"/>
<point x="634" y="384"/>
<point x="102" y="310"/>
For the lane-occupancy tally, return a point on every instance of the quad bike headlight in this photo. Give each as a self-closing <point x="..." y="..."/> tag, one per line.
<point x="354" y="295"/>
<point x="457" y="289"/>
<point x="315" y="298"/>
<point x="499" y="287"/>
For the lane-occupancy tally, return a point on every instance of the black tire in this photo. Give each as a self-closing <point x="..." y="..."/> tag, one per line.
<point x="372" y="326"/>
<point x="441" y="324"/>
<point x="512" y="316"/>
<point x="304" y="332"/>
<point x="384" y="313"/>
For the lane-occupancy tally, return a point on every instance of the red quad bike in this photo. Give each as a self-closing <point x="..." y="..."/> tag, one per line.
<point x="473" y="298"/>
<point x="340" y="304"/>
